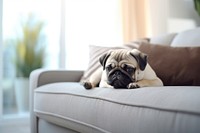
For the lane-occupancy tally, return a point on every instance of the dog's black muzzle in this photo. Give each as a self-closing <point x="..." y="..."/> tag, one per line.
<point x="119" y="78"/>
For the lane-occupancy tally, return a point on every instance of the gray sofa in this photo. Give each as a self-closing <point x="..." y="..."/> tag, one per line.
<point x="60" y="104"/>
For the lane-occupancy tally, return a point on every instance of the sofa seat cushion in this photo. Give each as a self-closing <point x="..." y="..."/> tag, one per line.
<point x="167" y="109"/>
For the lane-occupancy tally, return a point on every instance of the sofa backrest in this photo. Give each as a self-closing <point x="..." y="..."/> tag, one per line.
<point x="185" y="38"/>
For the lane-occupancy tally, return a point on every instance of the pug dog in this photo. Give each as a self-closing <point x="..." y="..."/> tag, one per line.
<point x="123" y="69"/>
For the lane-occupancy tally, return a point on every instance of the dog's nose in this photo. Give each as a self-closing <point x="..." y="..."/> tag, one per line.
<point x="118" y="74"/>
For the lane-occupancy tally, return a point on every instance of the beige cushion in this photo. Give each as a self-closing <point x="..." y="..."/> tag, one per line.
<point x="163" y="39"/>
<point x="187" y="38"/>
<point x="174" y="65"/>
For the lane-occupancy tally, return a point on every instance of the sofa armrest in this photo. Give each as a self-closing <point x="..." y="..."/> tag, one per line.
<point x="41" y="77"/>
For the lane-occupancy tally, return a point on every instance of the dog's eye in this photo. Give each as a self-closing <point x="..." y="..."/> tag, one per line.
<point x="129" y="69"/>
<point x="109" y="68"/>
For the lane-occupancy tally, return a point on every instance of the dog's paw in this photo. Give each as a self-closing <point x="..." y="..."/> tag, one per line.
<point x="133" y="86"/>
<point x="87" y="85"/>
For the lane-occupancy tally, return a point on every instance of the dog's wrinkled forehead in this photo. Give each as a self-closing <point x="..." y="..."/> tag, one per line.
<point x="121" y="55"/>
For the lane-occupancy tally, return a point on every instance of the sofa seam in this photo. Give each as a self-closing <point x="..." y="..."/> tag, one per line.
<point x="128" y="104"/>
<point x="71" y="120"/>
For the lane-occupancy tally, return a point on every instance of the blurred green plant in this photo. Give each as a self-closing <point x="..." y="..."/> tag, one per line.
<point x="29" y="47"/>
<point x="197" y="6"/>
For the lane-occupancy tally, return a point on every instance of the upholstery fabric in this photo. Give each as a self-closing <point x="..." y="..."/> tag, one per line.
<point x="174" y="65"/>
<point x="42" y="77"/>
<point x="47" y="127"/>
<point x="118" y="110"/>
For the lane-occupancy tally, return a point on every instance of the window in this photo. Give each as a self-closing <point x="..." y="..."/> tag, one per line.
<point x="70" y="27"/>
<point x="14" y="13"/>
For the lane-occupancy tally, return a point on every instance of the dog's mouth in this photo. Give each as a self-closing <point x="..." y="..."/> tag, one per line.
<point x="119" y="78"/>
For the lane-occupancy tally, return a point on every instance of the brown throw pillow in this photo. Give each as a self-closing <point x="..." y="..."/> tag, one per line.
<point x="176" y="66"/>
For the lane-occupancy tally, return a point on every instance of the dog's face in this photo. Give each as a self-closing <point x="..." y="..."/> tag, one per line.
<point x="122" y="66"/>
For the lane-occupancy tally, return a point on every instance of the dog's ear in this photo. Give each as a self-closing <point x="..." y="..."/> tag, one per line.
<point x="140" y="57"/>
<point x="103" y="59"/>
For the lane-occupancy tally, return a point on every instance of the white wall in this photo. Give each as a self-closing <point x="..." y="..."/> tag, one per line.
<point x="157" y="16"/>
<point x="96" y="22"/>
<point x="168" y="16"/>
